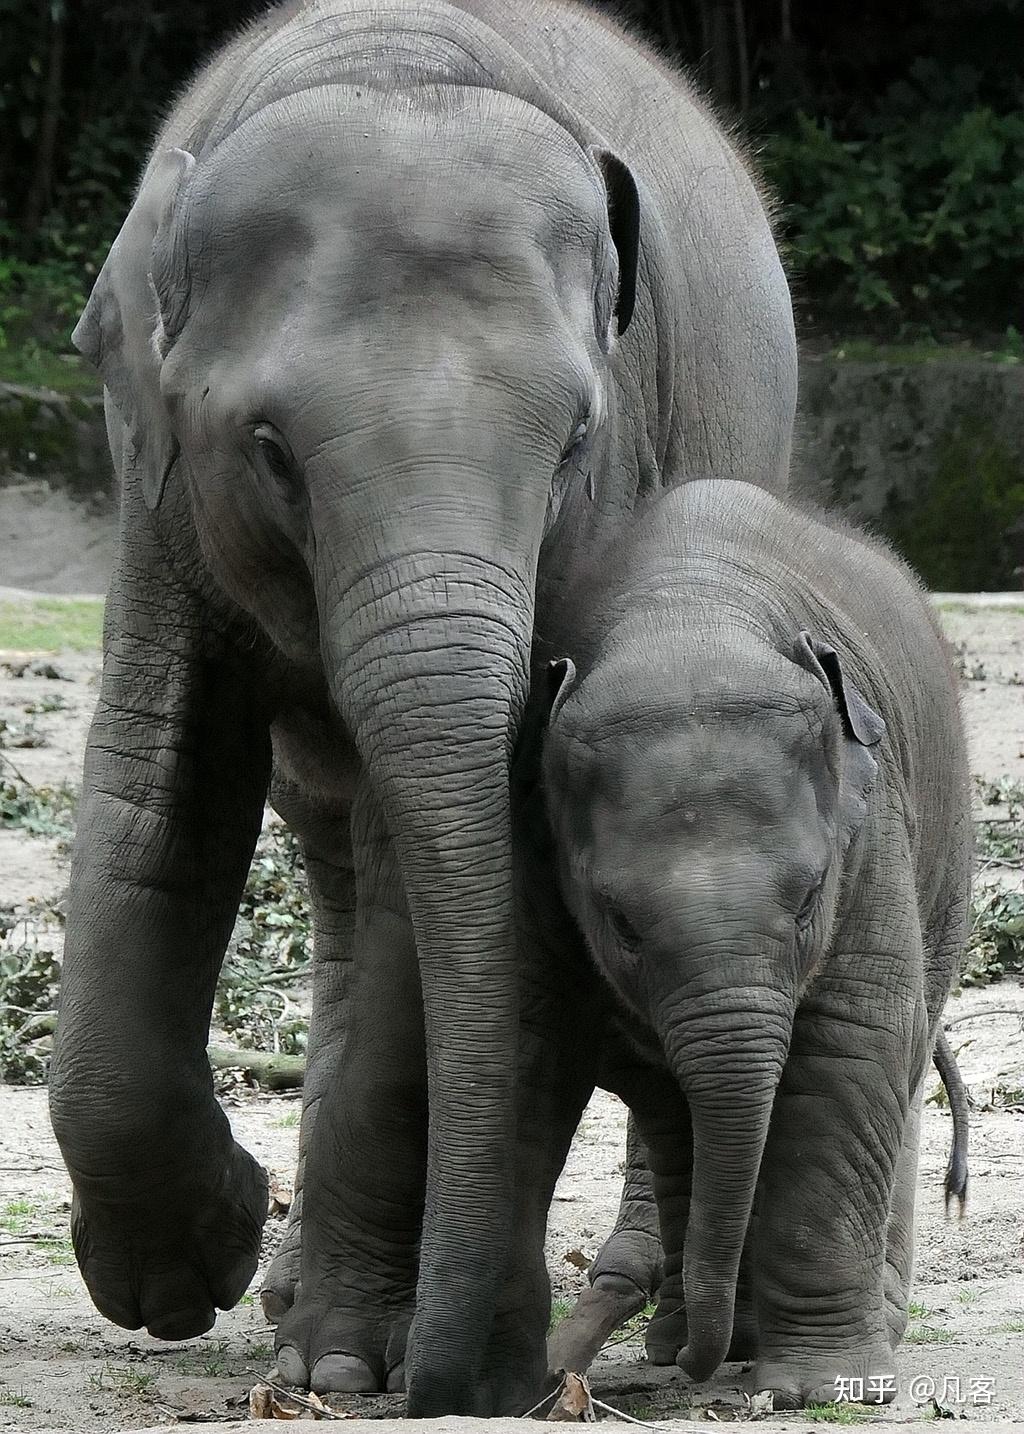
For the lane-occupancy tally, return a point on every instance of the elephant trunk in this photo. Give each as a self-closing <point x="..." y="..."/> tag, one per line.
<point x="728" y="1055"/>
<point x="428" y="658"/>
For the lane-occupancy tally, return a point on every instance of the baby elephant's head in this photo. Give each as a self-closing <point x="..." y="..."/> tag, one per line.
<point x="703" y="802"/>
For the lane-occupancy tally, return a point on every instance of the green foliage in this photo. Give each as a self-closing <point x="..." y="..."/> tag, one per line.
<point x="39" y="811"/>
<point x="29" y="978"/>
<point x="269" y="952"/>
<point x="915" y="222"/>
<point x="995" y="947"/>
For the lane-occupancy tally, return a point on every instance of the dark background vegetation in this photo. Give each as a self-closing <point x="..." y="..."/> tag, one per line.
<point x="892" y="133"/>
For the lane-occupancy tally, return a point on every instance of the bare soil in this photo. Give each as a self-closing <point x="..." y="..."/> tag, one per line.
<point x="62" y="1366"/>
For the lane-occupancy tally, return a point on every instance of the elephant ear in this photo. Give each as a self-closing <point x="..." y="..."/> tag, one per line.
<point x="121" y="328"/>
<point x="862" y="727"/>
<point x="561" y="680"/>
<point x="624" y="227"/>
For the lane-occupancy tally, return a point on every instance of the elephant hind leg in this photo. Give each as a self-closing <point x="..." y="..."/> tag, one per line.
<point x="326" y="841"/>
<point x="366" y="1163"/>
<point x="624" y="1277"/>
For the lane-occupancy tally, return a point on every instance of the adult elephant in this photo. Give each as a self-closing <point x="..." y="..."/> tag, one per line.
<point x="410" y="295"/>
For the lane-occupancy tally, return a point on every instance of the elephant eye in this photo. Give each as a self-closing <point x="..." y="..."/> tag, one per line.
<point x="623" y="928"/>
<point x="274" y="452"/>
<point x="576" y="439"/>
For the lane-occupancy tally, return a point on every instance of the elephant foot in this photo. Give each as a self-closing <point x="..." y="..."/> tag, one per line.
<point x="862" y="1375"/>
<point x="281" y="1282"/>
<point x="598" y="1313"/>
<point x="667" y="1333"/>
<point x="330" y="1349"/>
<point x="171" y="1268"/>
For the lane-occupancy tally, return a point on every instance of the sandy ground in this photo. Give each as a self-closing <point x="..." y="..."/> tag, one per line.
<point x="63" y="1367"/>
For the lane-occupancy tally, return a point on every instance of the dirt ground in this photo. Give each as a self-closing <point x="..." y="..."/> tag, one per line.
<point x="63" y="1367"/>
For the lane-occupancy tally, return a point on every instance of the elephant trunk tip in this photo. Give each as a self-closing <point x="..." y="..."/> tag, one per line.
<point x="702" y="1355"/>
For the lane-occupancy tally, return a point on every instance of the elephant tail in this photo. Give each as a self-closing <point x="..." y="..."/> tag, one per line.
<point x="959" y="1104"/>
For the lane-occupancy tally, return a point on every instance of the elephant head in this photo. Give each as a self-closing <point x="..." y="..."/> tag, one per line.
<point x="704" y="792"/>
<point x="371" y="338"/>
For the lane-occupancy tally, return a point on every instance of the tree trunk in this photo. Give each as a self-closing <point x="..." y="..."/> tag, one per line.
<point x="41" y="188"/>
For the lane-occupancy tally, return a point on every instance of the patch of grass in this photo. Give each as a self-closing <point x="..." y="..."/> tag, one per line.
<point x="14" y="1398"/>
<point x="52" y="624"/>
<point x="1011" y="1326"/>
<point x="289" y="1121"/>
<point x="122" y="1379"/>
<point x="57" y="1251"/>
<point x="967" y="1296"/>
<point x="916" y="1310"/>
<point x="17" y="1215"/>
<point x="929" y="1334"/>
<point x="247" y="1301"/>
<point x="839" y="1413"/>
<point x="560" y="1310"/>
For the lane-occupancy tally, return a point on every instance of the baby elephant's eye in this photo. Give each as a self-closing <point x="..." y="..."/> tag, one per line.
<point x="623" y="928"/>
<point x="274" y="452"/>
<point x="810" y="905"/>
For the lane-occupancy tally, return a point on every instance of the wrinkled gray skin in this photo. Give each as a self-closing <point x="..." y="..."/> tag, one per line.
<point x="381" y="349"/>
<point x="628" y="1270"/>
<point x="758" y="792"/>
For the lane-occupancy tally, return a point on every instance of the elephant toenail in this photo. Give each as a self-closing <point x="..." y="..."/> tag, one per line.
<point x="343" y="1374"/>
<point x="291" y="1367"/>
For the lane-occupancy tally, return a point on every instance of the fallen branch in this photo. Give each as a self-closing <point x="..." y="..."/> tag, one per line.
<point x="987" y="1011"/>
<point x="269" y="1068"/>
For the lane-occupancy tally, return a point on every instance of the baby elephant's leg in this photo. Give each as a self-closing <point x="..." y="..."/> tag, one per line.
<point x="831" y="1170"/>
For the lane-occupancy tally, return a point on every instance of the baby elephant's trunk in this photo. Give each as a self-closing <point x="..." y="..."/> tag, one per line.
<point x="727" y="1054"/>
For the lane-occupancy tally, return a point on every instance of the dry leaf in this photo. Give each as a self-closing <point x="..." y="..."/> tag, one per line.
<point x="574" y="1404"/>
<point x="279" y="1196"/>
<point x="268" y="1400"/>
<point x="577" y="1258"/>
<point x="265" y="1404"/>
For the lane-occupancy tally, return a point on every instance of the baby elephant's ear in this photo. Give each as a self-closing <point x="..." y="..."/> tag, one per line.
<point x="561" y="680"/>
<point x="860" y="720"/>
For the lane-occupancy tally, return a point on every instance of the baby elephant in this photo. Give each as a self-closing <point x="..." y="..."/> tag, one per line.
<point x="756" y="779"/>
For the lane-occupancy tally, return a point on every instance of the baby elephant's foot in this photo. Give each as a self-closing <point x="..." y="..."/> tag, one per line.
<point x="281" y="1283"/>
<point x="331" y="1349"/>
<point x="170" y="1268"/>
<point x="862" y="1375"/>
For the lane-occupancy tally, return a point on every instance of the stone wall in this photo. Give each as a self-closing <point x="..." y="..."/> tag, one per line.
<point x="931" y="453"/>
<point x="60" y="438"/>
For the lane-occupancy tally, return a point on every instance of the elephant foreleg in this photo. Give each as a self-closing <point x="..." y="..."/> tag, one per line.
<point x="838" y="1153"/>
<point x="167" y="1209"/>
